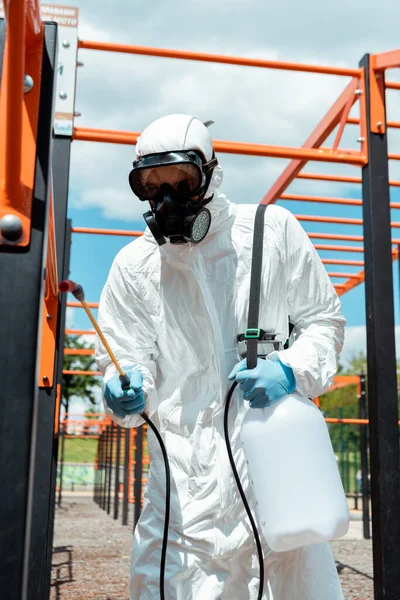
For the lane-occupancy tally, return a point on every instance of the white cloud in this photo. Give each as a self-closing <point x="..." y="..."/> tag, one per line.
<point x="356" y="342"/>
<point x="120" y="91"/>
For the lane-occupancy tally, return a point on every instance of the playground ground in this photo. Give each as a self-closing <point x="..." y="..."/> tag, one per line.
<point x="91" y="557"/>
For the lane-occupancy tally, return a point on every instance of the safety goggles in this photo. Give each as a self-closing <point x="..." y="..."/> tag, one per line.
<point x="183" y="171"/>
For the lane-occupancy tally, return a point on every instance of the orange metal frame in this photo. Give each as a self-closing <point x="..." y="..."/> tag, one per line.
<point x="19" y="112"/>
<point x="337" y="116"/>
<point x="50" y="307"/>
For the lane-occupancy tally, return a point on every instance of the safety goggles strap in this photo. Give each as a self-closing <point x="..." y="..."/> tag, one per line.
<point x="208" y="166"/>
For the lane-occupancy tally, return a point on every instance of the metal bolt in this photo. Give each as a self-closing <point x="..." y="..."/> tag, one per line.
<point x="379" y="124"/>
<point x="28" y="83"/>
<point x="45" y="379"/>
<point x="80" y="64"/>
<point x="49" y="317"/>
<point x="66" y="44"/>
<point x="63" y="95"/>
<point x="361" y="139"/>
<point x="11" y="228"/>
<point x="77" y="114"/>
<point x="358" y="92"/>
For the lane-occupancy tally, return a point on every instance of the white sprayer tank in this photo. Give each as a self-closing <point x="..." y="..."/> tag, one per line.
<point x="294" y="474"/>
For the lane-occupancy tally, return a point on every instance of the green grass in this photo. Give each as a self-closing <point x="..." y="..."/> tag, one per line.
<point x="80" y="450"/>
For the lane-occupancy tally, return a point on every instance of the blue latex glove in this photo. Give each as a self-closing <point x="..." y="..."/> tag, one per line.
<point x="264" y="385"/>
<point x="125" y="402"/>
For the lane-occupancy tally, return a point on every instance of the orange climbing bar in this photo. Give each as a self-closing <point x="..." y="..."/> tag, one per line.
<point x="342" y="237"/>
<point x="95" y="231"/>
<point x="386" y="60"/>
<point x="92" y="373"/>
<point x="338" y="178"/>
<point x="338" y="261"/>
<point x="217" y="58"/>
<point x="344" y="275"/>
<point x="328" y="200"/>
<point x="79" y="305"/>
<point x="337" y="220"/>
<point x="391" y="124"/>
<point x="337" y="248"/>
<point x="248" y="149"/>
<point x="80" y="332"/>
<point x="392" y="85"/>
<point x="79" y="351"/>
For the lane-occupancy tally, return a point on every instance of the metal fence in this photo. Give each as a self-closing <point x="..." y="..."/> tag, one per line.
<point x="121" y="469"/>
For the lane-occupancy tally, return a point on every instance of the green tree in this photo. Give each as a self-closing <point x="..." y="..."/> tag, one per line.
<point x="343" y="403"/>
<point x="80" y="386"/>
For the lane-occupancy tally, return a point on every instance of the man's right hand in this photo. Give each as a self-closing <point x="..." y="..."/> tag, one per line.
<point x="125" y="402"/>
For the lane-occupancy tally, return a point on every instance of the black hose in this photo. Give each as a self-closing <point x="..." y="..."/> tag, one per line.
<point x="168" y="497"/>
<point x="241" y="492"/>
<point x="167" y="502"/>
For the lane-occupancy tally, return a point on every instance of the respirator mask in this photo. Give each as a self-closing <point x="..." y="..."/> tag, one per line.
<point x="174" y="183"/>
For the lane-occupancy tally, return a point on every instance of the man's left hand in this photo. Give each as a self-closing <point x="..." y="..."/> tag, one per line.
<point x="264" y="385"/>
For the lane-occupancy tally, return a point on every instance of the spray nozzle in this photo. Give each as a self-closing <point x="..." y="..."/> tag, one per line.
<point x="70" y="286"/>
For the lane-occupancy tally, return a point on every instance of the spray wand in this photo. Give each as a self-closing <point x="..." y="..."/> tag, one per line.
<point x="77" y="291"/>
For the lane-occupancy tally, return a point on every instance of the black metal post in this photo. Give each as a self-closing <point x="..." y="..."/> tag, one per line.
<point x="105" y="462"/>
<point x="116" y="481"/>
<point x="47" y="442"/>
<point x="138" y="474"/>
<point x="381" y="358"/>
<point x="63" y="432"/>
<point x="126" y="477"/>
<point x="110" y="466"/>
<point x="98" y="486"/>
<point x="103" y="469"/>
<point x="22" y="274"/>
<point x="364" y="459"/>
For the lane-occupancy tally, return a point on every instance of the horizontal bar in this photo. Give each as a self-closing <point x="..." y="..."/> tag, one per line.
<point x="386" y="60"/>
<point x="80" y="332"/>
<point x="392" y="85"/>
<point x="356" y="121"/>
<point x="79" y="351"/>
<point x="337" y="220"/>
<point x="343" y="237"/>
<point x="79" y="305"/>
<point x="322" y="199"/>
<point x="91" y="373"/>
<point x="338" y="178"/>
<point x="347" y="421"/>
<point x="339" y="261"/>
<point x="328" y="200"/>
<point x="338" y="248"/>
<point x="95" y="231"/>
<point x="320" y="155"/>
<point x="217" y="58"/>
<point x="344" y="275"/>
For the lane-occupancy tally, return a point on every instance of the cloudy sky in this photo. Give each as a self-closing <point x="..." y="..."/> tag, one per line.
<point x="117" y="91"/>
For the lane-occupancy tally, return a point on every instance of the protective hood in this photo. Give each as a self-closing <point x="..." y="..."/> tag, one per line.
<point x="180" y="132"/>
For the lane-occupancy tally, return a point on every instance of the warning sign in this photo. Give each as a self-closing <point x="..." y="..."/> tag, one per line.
<point x="66" y="16"/>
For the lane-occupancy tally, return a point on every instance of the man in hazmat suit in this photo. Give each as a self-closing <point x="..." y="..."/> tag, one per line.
<point x="172" y="308"/>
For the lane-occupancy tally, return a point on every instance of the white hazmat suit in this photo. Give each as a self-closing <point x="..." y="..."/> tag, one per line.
<point x="174" y="313"/>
